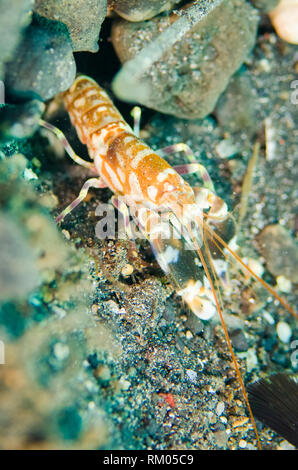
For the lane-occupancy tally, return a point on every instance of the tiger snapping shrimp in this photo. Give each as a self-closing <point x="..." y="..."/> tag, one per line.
<point x="179" y="221"/>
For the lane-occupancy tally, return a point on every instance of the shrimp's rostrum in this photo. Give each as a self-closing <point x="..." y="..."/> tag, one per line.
<point x="141" y="178"/>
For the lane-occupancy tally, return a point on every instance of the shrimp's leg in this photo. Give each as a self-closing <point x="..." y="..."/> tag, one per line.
<point x="123" y="209"/>
<point x="67" y="147"/>
<point x="188" y="168"/>
<point x="136" y="114"/>
<point x="91" y="183"/>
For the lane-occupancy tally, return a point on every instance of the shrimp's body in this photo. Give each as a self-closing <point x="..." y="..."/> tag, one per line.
<point x="139" y="176"/>
<point x="127" y="165"/>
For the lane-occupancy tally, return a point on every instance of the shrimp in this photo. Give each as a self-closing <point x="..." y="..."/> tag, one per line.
<point x="181" y="222"/>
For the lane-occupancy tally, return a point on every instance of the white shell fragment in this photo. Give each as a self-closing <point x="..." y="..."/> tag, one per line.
<point x="283" y="331"/>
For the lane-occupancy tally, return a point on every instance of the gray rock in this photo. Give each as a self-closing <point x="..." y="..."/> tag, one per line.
<point x="236" y="108"/>
<point x="280" y="251"/>
<point x="43" y="64"/>
<point x="20" y="121"/>
<point x="18" y="273"/>
<point x="83" y="19"/>
<point x="265" y="5"/>
<point x="190" y="76"/>
<point x="15" y="15"/>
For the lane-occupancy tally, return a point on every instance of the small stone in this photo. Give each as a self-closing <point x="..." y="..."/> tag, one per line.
<point x="255" y="266"/>
<point x="240" y="422"/>
<point x="61" y="351"/>
<point x="283" y="331"/>
<point x="280" y="252"/>
<point x="103" y="374"/>
<point x="242" y="444"/>
<point x="140" y="10"/>
<point x="191" y="375"/>
<point x="220" y="408"/>
<point x="189" y="335"/>
<point x="20" y="121"/>
<point x="251" y="360"/>
<point x="124" y="384"/>
<point x="239" y="341"/>
<point x="284" y="284"/>
<point x="285" y="445"/>
<point x="48" y="69"/>
<point x="236" y="107"/>
<point x="127" y="270"/>
<point x="221" y="438"/>
<point x="268" y="318"/>
<point x="226" y="148"/>
<point x="285" y="20"/>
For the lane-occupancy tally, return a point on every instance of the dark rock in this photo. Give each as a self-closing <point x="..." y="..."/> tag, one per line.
<point x="43" y="64"/>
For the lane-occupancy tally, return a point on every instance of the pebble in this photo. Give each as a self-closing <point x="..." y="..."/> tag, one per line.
<point x="192" y="72"/>
<point x="61" y="351"/>
<point x="285" y="20"/>
<point x="226" y="148"/>
<point x="242" y="444"/>
<point x="48" y="69"/>
<point x="284" y="284"/>
<point x="280" y="251"/>
<point x="236" y="107"/>
<point x="191" y="375"/>
<point x="140" y="10"/>
<point x="83" y="19"/>
<point x="239" y="341"/>
<point x="220" y="408"/>
<point x="251" y="360"/>
<point x="20" y="121"/>
<point x="283" y="331"/>
<point x="268" y="318"/>
<point x="221" y="438"/>
<point x="256" y="266"/>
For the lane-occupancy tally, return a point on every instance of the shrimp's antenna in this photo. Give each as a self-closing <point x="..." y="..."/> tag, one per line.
<point x="199" y="252"/>
<point x="240" y="261"/>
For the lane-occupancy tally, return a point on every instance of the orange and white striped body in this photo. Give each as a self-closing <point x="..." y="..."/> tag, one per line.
<point x="127" y="165"/>
<point x="142" y="179"/>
